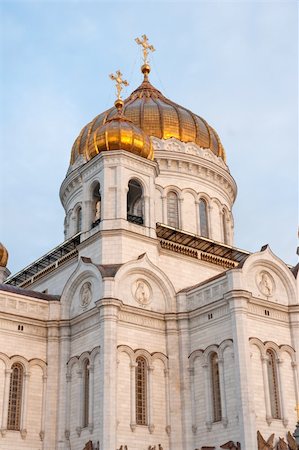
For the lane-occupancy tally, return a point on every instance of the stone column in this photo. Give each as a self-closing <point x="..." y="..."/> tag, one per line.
<point x="172" y="343"/>
<point x="5" y="401"/>
<point x="184" y="352"/>
<point x="108" y="372"/>
<point x="80" y="405"/>
<point x="181" y="215"/>
<point x="164" y="209"/>
<point x="91" y="399"/>
<point x="63" y="426"/>
<point x="146" y="213"/>
<point x="222" y="392"/>
<point x="42" y="424"/>
<point x="238" y="312"/>
<point x="52" y="385"/>
<point x="265" y="362"/>
<point x="133" y="400"/>
<point x="193" y="404"/>
<point x="151" y="425"/>
<point x="281" y="390"/>
<point x="23" y="425"/>
<point x="167" y="400"/>
<point x="208" y="397"/>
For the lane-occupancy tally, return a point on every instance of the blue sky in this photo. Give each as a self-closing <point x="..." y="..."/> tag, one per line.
<point x="233" y="63"/>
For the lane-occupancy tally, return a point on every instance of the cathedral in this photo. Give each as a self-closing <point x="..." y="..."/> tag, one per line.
<point x="147" y="329"/>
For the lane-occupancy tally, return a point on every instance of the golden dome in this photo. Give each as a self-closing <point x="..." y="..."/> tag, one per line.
<point x="119" y="133"/>
<point x="3" y="256"/>
<point x="157" y="116"/>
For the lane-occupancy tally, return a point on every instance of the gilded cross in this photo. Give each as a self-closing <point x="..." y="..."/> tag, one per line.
<point x="146" y="47"/>
<point x="119" y="82"/>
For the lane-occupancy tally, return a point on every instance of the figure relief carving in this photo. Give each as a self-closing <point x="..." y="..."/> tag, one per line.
<point x="282" y="445"/>
<point x="291" y="442"/>
<point x="265" y="445"/>
<point x="265" y="283"/>
<point x="231" y="445"/>
<point x="85" y="294"/>
<point x="142" y="292"/>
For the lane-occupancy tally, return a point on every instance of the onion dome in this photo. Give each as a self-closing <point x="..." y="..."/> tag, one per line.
<point x="119" y="133"/>
<point x="3" y="256"/>
<point x="155" y="115"/>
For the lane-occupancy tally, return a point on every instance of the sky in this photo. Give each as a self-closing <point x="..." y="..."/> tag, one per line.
<point x="235" y="63"/>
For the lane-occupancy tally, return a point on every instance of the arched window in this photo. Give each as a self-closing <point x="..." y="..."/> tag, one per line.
<point x="172" y="209"/>
<point x="224" y="224"/>
<point x="15" y="397"/>
<point x="96" y="202"/>
<point x="135" y="202"/>
<point x="216" y="396"/>
<point x="203" y="218"/>
<point x="79" y="219"/>
<point x="273" y="385"/>
<point x="141" y="391"/>
<point x="85" y="392"/>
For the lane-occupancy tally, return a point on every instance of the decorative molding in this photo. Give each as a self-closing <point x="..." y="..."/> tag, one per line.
<point x="140" y="320"/>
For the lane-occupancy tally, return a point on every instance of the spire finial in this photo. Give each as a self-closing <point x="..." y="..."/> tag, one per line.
<point x="119" y="82"/>
<point x="146" y="48"/>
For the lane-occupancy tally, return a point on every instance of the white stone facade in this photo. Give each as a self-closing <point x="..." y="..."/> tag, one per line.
<point x="127" y="291"/>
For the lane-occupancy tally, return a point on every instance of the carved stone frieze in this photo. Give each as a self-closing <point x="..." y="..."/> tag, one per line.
<point x="231" y="445"/>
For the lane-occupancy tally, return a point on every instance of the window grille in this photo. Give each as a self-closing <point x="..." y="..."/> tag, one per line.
<point x="273" y="387"/>
<point x="141" y="391"/>
<point x="172" y="210"/>
<point x="217" y="414"/>
<point x="203" y="218"/>
<point x="85" y="392"/>
<point x="15" y="397"/>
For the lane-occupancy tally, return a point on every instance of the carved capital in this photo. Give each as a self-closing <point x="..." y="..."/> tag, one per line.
<point x="41" y="435"/>
<point x="90" y="427"/>
<point x="285" y="422"/>
<point x="67" y="435"/>
<point x="3" y="431"/>
<point x="269" y="420"/>
<point x="209" y="426"/>
<point x="194" y="429"/>
<point x="225" y="422"/>
<point x="151" y="428"/>
<point x="168" y="429"/>
<point x="23" y="433"/>
<point x="133" y="426"/>
<point x="78" y="430"/>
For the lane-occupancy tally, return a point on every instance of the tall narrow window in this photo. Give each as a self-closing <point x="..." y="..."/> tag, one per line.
<point x="135" y="202"/>
<point x="273" y="387"/>
<point x="141" y="391"/>
<point x="217" y="415"/>
<point x="79" y="219"/>
<point x="172" y="209"/>
<point x="96" y="200"/>
<point x="15" y="397"/>
<point x="85" y="392"/>
<point x="203" y="218"/>
<point x="224" y="224"/>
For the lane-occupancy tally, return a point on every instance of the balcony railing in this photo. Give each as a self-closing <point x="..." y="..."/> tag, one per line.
<point x="135" y="219"/>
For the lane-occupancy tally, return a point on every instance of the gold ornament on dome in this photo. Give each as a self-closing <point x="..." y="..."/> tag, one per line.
<point x="3" y="256"/>
<point x="146" y="47"/>
<point x="153" y="114"/>
<point x="119" y="82"/>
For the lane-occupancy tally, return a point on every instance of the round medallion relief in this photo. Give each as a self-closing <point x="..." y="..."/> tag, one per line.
<point x="85" y="294"/>
<point x="142" y="292"/>
<point x="265" y="283"/>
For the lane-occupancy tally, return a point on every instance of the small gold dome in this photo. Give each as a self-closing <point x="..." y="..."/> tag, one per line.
<point x="157" y="116"/>
<point x="119" y="133"/>
<point x="3" y="256"/>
